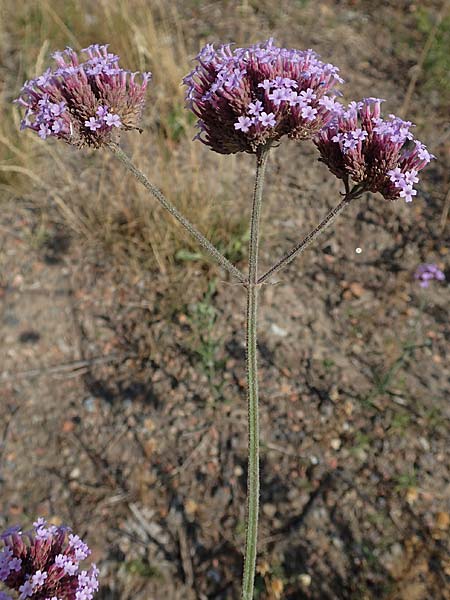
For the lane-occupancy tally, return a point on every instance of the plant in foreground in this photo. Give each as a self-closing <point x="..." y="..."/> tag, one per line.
<point x="44" y="564"/>
<point x="246" y="100"/>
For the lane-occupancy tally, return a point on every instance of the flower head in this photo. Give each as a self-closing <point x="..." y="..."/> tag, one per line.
<point x="247" y="97"/>
<point x="45" y="564"/>
<point x="83" y="102"/>
<point x="381" y="155"/>
<point x="426" y="272"/>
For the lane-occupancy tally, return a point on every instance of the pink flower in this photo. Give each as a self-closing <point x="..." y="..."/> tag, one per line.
<point x="83" y="102"/>
<point x="231" y="89"/>
<point x="379" y="155"/>
<point x="45" y="563"/>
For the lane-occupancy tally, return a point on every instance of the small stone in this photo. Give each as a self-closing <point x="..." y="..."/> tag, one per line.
<point x="335" y="443"/>
<point x="361" y="454"/>
<point x="269" y="510"/>
<point x="75" y="473"/>
<point x="334" y="394"/>
<point x="68" y="426"/>
<point x="150" y="447"/>
<point x="442" y="520"/>
<point x="348" y="407"/>
<point x="190" y="506"/>
<point x="411" y="495"/>
<point x="149" y="424"/>
<point x="238" y="471"/>
<point x="275" y="329"/>
<point x="305" y="579"/>
<point x="356" y="289"/>
<point x="396" y="549"/>
<point x="285" y="389"/>
<point x="89" y="404"/>
<point x="277" y="588"/>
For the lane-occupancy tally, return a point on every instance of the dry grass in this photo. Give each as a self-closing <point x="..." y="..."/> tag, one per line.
<point x="91" y="193"/>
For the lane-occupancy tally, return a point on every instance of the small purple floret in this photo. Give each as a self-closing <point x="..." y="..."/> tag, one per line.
<point x="93" y="124"/>
<point x="112" y="120"/>
<point x="267" y="120"/>
<point x="38" y="579"/>
<point x="426" y="272"/>
<point x="244" y="124"/>
<point x="26" y="590"/>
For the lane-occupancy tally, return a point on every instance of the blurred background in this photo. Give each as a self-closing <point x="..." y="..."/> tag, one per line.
<point x="122" y="355"/>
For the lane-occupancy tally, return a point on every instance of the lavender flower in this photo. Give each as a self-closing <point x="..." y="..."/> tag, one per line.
<point x="44" y="564"/>
<point x="426" y="272"/>
<point x="83" y="102"/>
<point x="251" y="96"/>
<point x="379" y="155"/>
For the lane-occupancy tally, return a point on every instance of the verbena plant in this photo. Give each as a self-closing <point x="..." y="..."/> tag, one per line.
<point x="246" y="100"/>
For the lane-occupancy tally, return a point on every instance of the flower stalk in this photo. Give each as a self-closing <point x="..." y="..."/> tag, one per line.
<point x="165" y="203"/>
<point x="309" y="239"/>
<point x="252" y="382"/>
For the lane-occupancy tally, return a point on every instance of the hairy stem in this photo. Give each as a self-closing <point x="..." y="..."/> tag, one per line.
<point x="193" y="231"/>
<point x="252" y="383"/>
<point x="309" y="239"/>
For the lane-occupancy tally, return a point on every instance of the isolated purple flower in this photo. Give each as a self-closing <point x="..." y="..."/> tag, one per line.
<point x="380" y="155"/>
<point x="427" y="272"/>
<point x="44" y="564"/>
<point x="83" y="102"/>
<point x="247" y="97"/>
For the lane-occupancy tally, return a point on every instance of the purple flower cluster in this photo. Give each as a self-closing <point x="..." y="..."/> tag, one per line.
<point x="380" y="155"/>
<point x="426" y="272"/>
<point x="248" y="97"/>
<point x="83" y="102"/>
<point x="44" y="564"/>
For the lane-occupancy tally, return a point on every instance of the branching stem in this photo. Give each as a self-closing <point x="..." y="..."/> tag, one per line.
<point x="309" y="239"/>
